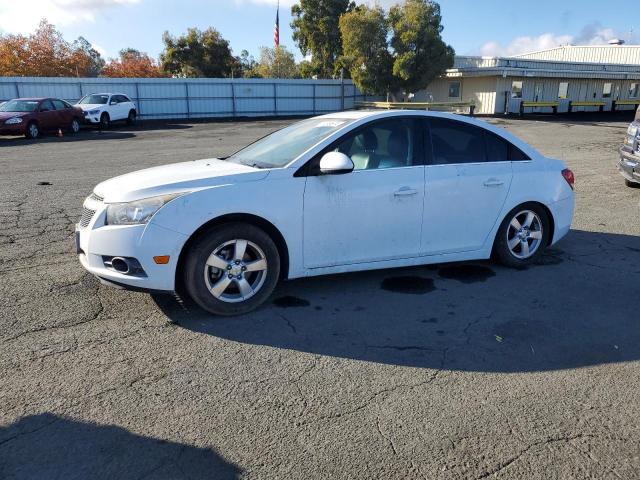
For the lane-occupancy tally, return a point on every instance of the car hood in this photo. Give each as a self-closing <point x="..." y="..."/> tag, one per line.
<point x="90" y="106"/>
<point x="8" y="115"/>
<point x="175" y="178"/>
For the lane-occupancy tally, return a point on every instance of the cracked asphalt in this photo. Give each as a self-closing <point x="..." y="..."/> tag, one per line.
<point x="447" y="371"/>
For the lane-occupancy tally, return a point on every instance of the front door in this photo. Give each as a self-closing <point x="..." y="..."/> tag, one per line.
<point x="373" y="213"/>
<point x="467" y="182"/>
<point x="47" y="117"/>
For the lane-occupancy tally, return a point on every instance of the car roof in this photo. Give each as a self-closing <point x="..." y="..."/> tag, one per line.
<point x="107" y="93"/>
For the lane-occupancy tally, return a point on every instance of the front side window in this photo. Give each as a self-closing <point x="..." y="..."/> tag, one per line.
<point x="516" y="89"/>
<point x="59" y="104"/>
<point x="454" y="90"/>
<point x="285" y="145"/>
<point x="46" y="106"/>
<point x="606" y="91"/>
<point x="634" y="90"/>
<point x="386" y="144"/>
<point x="563" y="90"/>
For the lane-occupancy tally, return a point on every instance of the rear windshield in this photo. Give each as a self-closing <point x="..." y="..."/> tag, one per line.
<point x="19" y="106"/>
<point x="94" y="100"/>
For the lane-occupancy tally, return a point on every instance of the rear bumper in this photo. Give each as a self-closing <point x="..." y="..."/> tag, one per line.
<point x="562" y="212"/>
<point x="629" y="166"/>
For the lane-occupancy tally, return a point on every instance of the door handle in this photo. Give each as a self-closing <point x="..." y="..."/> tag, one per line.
<point x="493" y="182"/>
<point x="405" y="191"/>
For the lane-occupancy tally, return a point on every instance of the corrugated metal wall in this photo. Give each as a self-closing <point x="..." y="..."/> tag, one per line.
<point x="161" y="98"/>
<point x="621" y="54"/>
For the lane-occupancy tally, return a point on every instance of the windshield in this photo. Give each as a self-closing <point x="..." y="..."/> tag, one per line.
<point x="94" y="100"/>
<point x="281" y="147"/>
<point x="19" y="106"/>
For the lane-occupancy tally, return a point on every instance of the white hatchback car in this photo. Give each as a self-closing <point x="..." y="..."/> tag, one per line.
<point x="104" y="108"/>
<point x="338" y="193"/>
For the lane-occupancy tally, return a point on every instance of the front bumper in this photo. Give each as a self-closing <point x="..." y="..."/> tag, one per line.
<point x="142" y="242"/>
<point x="15" y="129"/>
<point x="629" y="166"/>
<point x="92" y="119"/>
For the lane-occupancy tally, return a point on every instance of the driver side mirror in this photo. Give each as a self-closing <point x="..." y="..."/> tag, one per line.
<point x="335" y="163"/>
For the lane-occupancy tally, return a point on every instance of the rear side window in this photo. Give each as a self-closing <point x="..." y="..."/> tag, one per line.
<point x="456" y="142"/>
<point x="497" y="148"/>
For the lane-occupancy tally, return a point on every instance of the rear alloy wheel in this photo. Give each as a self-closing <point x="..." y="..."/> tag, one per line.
<point x="33" y="131"/>
<point x="105" y="121"/>
<point x="231" y="269"/>
<point x="522" y="236"/>
<point x="131" y="119"/>
<point x="75" y="126"/>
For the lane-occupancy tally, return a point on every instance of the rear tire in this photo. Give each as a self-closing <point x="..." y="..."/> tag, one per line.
<point x="105" y="121"/>
<point x="523" y="235"/>
<point x="131" y="119"/>
<point x="32" y="131"/>
<point x="231" y="269"/>
<point x="631" y="184"/>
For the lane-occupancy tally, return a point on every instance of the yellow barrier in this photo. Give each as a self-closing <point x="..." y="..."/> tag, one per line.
<point x="627" y="102"/>
<point x="594" y="103"/>
<point x="553" y="105"/>
<point x="416" y="105"/>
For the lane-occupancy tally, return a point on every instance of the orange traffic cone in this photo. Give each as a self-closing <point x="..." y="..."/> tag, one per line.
<point x="60" y="132"/>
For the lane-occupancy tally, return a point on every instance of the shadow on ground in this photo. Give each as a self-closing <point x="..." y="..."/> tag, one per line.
<point x="576" y="308"/>
<point x="48" y="446"/>
<point x="83" y="136"/>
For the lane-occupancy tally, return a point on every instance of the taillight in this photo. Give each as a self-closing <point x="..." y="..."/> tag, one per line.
<point x="569" y="177"/>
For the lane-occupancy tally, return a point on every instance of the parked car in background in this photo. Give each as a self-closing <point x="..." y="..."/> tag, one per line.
<point x="629" y="165"/>
<point x="33" y="116"/>
<point x="348" y="191"/>
<point x="104" y="108"/>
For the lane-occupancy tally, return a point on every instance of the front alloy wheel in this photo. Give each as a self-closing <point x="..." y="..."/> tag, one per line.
<point x="231" y="269"/>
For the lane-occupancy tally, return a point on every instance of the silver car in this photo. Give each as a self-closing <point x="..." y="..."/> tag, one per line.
<point x="629" y="165"/>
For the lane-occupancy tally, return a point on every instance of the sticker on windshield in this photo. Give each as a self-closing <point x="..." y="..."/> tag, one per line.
<point x="331" y="123"/>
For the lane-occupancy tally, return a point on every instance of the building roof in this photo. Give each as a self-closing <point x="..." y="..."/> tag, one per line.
<point x="611" y="54"/>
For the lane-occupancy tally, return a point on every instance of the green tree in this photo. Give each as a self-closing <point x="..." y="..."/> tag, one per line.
<point x="248" y="65"/>
<point x="95" y="60"/>
<point x="365" y="51"/>
<point x="315" y="30"/>
<point x="277" y="62"/>
<point x="199" y="54"/>
<point x="420" y="54"/>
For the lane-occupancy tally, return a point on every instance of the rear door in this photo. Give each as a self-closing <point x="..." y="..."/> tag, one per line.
<point x="121" y="109"/>
<point x="467" y="180"/>
<point x="47" y="115"/>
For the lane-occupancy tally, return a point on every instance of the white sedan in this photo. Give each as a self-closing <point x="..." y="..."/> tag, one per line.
<point x="337" y="193"/>
<point x="104" y="108"/>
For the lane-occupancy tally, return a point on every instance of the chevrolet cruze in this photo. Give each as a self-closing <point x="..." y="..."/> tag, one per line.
<point x="337" y="193"/>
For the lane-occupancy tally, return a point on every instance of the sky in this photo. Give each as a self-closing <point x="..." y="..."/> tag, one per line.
<point x="472" y="27"/>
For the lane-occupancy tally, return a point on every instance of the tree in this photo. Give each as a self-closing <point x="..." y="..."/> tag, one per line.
<point x="316" y="31"/>
<point x="248" y="65"/>
<point x="44" y="53"/>
<point x="199" y="54"/>
<point x="420" y="55"/>
<point x="365" y="51"/>
<point x="277" y="62"/>
<point x="132" y="64"/>
<point x="94" y="60"/>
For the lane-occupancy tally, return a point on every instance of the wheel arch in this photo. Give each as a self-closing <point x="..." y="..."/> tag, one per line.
<point x="547" y="210"/>
<point x="260" y="222"/>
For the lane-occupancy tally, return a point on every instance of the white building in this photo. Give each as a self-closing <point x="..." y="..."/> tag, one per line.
<point x="568" y="77"/>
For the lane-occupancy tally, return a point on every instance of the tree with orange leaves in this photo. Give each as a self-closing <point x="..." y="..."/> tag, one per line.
<point x="132" y="63"/>
<point x="45" y="53"/>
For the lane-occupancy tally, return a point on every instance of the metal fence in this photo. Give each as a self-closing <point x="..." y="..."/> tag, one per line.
<point x="166" y="98"/>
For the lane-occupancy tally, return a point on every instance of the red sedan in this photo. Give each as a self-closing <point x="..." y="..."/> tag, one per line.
<point x="33" y="116"/>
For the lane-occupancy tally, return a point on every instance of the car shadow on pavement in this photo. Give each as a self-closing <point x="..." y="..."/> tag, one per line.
<point x="79" y="137"/>
<point x="50" y="446"/>
<point x="577" y="308"/>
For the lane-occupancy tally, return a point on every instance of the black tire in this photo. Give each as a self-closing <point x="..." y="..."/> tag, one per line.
<point x="501" y="248"/>
<point x="131" y="119"/>
<point x="32" y="131"/>
<point x="631" y="184"/>
<point x="105" y="121"/>
<point x="74" y="127"/>
<point x="195" y="276"/>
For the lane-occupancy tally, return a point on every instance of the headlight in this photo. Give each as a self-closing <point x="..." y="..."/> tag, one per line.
<point x="93" y="112"/>
<point x="13" y="121"/>
<point x="138" y="212"/>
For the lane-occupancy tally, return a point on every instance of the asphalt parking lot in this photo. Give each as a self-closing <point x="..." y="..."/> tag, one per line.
<point x="446" y="371"/>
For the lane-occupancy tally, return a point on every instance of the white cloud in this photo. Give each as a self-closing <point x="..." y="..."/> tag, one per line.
<point x="24" y="16"/>
<point x="593" y="34"/>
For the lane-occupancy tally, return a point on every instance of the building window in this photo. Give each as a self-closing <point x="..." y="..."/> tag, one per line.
<point x="516" y="89"/>
<point x="563" y="90"/>
<point x="606" y="91"/>
<point x="454" y="90"/>
<point x="634" y="90"/>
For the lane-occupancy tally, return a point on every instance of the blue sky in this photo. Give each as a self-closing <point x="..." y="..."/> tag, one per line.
<point x="490" y="27"/>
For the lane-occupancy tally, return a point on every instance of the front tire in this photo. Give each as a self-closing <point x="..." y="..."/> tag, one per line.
<point x="523" y="235"/>
<point x="105" y="121"/>
<point x="231" y="269"/>
<point x="33" y="131"/>
<point x="631" y="184"/>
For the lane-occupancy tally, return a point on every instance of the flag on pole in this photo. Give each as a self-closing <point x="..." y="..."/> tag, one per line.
<point x="276" y="30"/>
